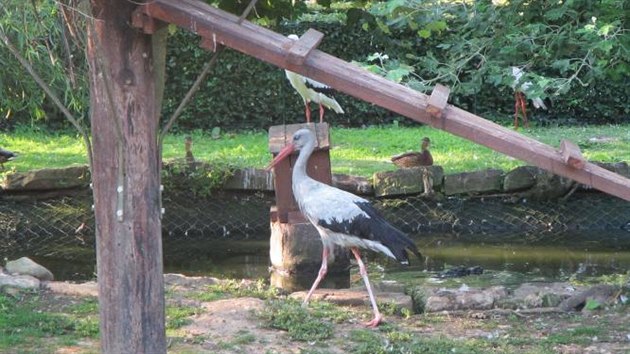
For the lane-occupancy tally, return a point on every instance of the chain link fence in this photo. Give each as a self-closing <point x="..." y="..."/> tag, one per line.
<point x="64" y="227"/>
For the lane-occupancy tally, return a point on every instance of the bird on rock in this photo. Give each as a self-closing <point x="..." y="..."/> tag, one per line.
<point x="312" y="91"/>
<point x="342" y="218"/>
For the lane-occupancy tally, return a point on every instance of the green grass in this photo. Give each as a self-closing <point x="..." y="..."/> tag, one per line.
<point x="24" y="326"/>
<point x="355" y="151"/>
<point x="235" y="288"/>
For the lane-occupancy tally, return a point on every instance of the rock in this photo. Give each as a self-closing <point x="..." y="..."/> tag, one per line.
<point x="603" y="294"/>
<point x="520" y="178"/>
<point x="405" y="181"/>
<point x="483" y="181"/>
<point x="547" y="185"/>
<point x="250" y="179"/>
<point x="358" y="297"/>
<point x="26" y="266"/>
<point x="183" y="281"/>
<point x="471" y="299"/>
<point x="82" y="289"/>
<point x="353" y="184"/>
<point x="19" y="281"/>
<point x="441" y="301"/>
<point x="48" y="179"/>
<point x="533" y="295"/>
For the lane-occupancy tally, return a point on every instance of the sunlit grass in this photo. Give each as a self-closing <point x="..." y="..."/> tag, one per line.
<point x="355" y="151"/>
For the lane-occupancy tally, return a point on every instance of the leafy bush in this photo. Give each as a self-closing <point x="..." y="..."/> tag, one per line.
<point x="575" y="52"/>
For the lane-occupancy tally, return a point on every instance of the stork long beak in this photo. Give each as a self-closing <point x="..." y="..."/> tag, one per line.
<point x="286" y="151"/>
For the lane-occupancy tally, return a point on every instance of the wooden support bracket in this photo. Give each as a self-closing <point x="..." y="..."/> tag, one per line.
<point x="303" y="46"/>
<point x="438" y="100"/>
<point x="571" y="154"/>
<point x="147" y="24"/>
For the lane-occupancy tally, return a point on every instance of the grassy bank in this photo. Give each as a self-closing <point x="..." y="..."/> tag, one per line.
<point x="356" y="151"/>
<point x="249" y="317"/>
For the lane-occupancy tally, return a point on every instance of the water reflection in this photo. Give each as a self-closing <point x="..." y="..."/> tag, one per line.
<point x="568" y="255"/>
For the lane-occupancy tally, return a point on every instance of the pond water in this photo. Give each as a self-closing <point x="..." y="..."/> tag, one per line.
<point x="506" y="260"/>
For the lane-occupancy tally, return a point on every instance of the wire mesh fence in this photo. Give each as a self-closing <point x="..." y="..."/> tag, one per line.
<point x="64" y="227"/>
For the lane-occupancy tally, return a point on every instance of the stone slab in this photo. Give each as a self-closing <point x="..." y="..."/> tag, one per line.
<point x="47" y="179"/>
<point x="405" y="180"/>
<point x="483" y="181"/>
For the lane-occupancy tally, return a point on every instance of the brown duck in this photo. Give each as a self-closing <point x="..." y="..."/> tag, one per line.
<point x="414" y="158"/>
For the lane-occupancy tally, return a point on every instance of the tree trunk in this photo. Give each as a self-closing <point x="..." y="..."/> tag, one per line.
<point x="126" y="182"/>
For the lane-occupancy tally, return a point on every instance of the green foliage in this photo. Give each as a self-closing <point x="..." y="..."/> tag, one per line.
<point x="244" y="93"/>
<point x="394" y="341"/>
<point x="359" y="152"/>
<point x="22" y="324"/>
<point x="300" y="323"/>
<point x="179" y="316"/>
<point x="575" y="53"/>
<point x="37" y="30"/>
<point x="200" y="180"/>
<point x="237" y="288"/>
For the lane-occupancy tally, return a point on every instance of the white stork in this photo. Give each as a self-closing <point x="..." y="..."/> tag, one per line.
<point x="342" y="218"/>
<point x="520" y="91"/>
<point x="312" y="90"/>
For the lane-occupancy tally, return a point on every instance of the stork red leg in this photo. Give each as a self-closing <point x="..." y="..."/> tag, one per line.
<point x="523" y="103"/>
<point x="377" y="315"/>
<point x="516" y="108"/>
<point x="307" y="111"/>
<point x="322" y="273"/>
<point x="321" y="113"/>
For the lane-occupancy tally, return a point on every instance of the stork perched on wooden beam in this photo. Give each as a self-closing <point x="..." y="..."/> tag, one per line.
<point x="312" y="91"/>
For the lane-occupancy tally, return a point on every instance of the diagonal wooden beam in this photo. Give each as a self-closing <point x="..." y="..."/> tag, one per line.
<point x="302" y="47"/>
<point x="271" y="47"/>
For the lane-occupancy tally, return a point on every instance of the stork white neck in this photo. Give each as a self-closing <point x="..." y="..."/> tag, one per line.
<point x="299" y="169"/>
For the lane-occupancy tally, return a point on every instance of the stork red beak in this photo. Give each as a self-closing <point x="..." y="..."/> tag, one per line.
<point x="286" y="151"/>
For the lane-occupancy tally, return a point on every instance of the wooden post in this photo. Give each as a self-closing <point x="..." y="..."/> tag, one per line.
<point x="124" y="119"/>
<point x="295" y="246"/>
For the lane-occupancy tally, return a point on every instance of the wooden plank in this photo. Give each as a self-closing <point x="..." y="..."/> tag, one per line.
<point x="271" y="47"/>
<point x="438" y="100"/>
<point x="571" y="154"/>
<point x="302" y="47"/>
<point x="280" y="135"/>
<point x="318" y="167"/>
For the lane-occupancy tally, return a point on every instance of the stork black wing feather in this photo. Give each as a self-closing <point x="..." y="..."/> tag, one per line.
<point x="374" y="227"/>
<point x="321" y="88"/>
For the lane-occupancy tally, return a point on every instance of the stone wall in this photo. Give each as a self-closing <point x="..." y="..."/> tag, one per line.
<point x="525" y="181"/>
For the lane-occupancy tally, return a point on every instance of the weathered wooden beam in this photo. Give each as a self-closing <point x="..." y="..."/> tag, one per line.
<point x="571" y="154"/>
<point x="302" y="47"/>
<point x="272" y="47"/>
<point x="147" y="24"/>
<point x="438" y="100"/>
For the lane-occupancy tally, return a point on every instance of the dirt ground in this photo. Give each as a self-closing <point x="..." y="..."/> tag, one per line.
<point x="234" y="325"/>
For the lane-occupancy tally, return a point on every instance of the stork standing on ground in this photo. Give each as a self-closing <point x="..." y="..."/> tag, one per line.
<point x="341" y="218"/>
<point x="520" y="91"/>
<point x="6" y="155"/>
<point x="314" y="91"/>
